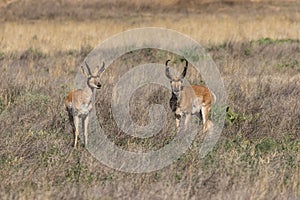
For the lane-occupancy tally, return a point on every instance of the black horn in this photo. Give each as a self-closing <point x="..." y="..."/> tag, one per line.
<point x="88" y="68"/>
<point x="167" y="70"/>
<point x="185" y="69"/>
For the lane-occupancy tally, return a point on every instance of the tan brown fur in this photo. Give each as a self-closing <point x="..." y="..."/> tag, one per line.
<point x="79" y="102"/>
<point x="191" y="99"/>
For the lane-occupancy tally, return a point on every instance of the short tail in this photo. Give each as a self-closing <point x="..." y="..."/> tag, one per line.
<point x="214" y="97"/>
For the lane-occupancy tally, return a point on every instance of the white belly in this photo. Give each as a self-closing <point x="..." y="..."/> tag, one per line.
<point x="196" y="107"/>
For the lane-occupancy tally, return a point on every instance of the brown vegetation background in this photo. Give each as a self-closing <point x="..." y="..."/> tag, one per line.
<point x="256" y="47"/>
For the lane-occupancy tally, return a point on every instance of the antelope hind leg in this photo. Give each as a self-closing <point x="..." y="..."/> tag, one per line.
<point x="76" y="124"/>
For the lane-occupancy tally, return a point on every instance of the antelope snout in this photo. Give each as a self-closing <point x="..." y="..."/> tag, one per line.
<point x="176" y="91"/>
<point x="98" y="85"/>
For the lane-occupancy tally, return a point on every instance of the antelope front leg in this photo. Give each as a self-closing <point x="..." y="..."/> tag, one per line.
<point x="187" y="119"/>
<point x="76" y="124"/>
<point x="86" y="126"/>
<point x="178" y="116"/>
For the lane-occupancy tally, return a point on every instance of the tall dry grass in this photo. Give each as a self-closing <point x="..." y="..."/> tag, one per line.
<point x="206" y="29"/>
<point x="257" y="156"/>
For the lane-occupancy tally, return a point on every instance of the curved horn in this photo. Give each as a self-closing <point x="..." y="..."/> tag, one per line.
<point x="185" y="69"/>
<point x="167" y="72"/>
<point x="88" y="68"/>
<point x="167" y="62"/>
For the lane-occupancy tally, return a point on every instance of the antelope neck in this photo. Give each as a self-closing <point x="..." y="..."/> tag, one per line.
<point x="89" y="92"/>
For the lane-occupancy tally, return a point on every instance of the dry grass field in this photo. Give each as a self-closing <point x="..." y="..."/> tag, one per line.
<point x="256" y="47"/>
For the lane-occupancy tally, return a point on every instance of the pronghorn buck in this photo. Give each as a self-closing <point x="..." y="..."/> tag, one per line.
<point x="188" y="100"/>
<point x="80" y="102"/>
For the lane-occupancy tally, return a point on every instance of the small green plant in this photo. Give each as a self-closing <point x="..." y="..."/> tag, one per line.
<point x="34" y="37"/>
<point x="157" y="176"/>
<point x="248" y="51"/>
<point x="268" y="40"/>
<point x="33" y="53"/>
<point x="234" y="117"/>
<point x="290" y="64"/>
<point x="2" y="105"/>
<point x="178" y="177"/>
<point x="265" y="41"/>
<point x="2" y="54"/>
<point x="266" y="145"/>
<point x="71" y="52"/>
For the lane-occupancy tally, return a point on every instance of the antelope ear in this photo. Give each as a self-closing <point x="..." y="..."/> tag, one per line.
<point x="98" y="70"/>
<point x="84" y="72"/>
<point x="167" y="72"/>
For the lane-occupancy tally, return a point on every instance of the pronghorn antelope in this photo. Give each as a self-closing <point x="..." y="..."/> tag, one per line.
<point x="188" y="100"/>
<point x="80" y="102"/>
